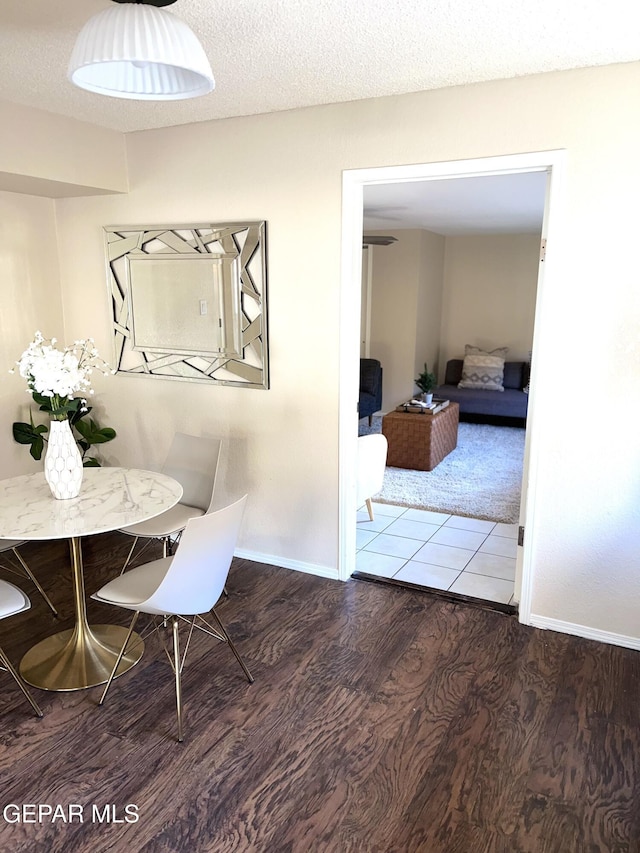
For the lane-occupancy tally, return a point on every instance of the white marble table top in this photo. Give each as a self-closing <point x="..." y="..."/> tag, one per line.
<point x="109" y="498"/>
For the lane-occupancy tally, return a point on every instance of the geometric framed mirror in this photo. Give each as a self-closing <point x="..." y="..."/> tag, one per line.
<point x="189" y="302"/>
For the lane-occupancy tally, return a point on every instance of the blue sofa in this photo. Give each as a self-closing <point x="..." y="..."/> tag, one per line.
<point x="370" y="399"/>
<point x="486" y="406"/>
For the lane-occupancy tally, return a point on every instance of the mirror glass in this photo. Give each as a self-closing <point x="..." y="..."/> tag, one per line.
<point x="189" y="302"/>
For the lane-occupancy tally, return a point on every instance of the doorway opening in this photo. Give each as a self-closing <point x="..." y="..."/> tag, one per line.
<point x="446" y="179"/>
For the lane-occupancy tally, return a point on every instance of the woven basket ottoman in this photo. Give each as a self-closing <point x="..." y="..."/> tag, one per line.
<point x="420" y="441"/>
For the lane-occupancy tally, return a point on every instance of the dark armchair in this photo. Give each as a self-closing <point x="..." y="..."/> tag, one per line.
<point x="370" y="388"/>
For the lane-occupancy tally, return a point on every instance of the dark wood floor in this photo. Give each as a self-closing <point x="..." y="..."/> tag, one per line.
<point x="381" y="720"/>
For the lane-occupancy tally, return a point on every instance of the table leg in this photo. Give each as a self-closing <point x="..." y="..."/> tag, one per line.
<point x="84" y="655"/>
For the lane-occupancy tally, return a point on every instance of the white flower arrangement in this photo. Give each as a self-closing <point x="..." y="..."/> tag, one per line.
<point x="59" y="374"/>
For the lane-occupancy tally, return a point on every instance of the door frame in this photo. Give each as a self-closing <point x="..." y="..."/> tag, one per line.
<point x="353" y="183"/>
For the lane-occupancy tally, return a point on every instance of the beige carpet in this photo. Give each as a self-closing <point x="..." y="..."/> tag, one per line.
<point x="481" y="478"/>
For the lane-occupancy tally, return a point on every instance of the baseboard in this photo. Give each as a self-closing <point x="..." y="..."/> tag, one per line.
<point x="584" y="631"/>
<point x="283" y="563"/>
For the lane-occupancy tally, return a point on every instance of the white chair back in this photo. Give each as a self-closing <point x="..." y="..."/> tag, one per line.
<point x="12" y="600"/>
<point x="198" y="572"/>
<point x="372" y="460"/>
<point x="193" y="462"/>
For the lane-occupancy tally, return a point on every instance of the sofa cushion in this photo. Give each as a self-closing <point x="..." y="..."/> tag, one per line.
<point x="483" y="370"/>
<point x="514" y="375"/>
<point x="370" y="399"/>
<point x="472" y="402"/>
<point x="369" y="375"/>
<point x="453" y="372"/>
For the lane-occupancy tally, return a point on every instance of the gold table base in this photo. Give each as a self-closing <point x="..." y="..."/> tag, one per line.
<point x="74" y="660"/>
<point x="84" y="655"/>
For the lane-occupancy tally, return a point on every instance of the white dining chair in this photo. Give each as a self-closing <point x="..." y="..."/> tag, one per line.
<point x="9" y="547"/>
<point x="181" y="588"/>
<point x="193" y="462"/>
<point x="371" y="464"/>
<point x="14" y="601"/>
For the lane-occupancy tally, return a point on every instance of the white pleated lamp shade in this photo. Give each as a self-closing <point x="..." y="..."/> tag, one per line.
<point x="138" y="51"/>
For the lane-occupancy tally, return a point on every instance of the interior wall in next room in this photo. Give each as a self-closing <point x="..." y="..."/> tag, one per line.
<point x="429" y="308"/>
<point x="405" y="309"/>
<point x="489" y="294"/>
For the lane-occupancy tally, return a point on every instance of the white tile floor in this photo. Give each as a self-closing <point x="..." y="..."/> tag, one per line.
<point x="462" y="555"/>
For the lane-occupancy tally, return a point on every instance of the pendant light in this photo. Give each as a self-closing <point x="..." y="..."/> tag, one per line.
<point x="136" y="50"/>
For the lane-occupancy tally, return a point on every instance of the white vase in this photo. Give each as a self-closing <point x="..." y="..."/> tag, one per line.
<point x="63" y="462"/>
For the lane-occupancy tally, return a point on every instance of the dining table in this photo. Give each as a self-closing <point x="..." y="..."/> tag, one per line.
<point x="109" y="499"/>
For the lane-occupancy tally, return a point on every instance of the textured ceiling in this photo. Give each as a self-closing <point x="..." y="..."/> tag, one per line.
<point x="496" y="204"/>
<point x="270" y="55"/>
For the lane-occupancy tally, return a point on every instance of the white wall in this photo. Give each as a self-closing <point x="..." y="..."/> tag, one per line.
<point x="394" y="296"/>
<point x="405" y="310"/>
<point x="283" y="444"/>
<point x="30" y="300"/>
<point x="489" y="295"/>
<point x="50" y="155"/>
<point x="429" y="309"/>
<point x="42" y="156"/>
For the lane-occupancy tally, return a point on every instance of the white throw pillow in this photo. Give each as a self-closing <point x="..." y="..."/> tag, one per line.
<point x="483" y="370"/>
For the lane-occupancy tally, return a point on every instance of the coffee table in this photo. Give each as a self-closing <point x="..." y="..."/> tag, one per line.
<point x="420" y="441"/>
<point x="110" y="498"/>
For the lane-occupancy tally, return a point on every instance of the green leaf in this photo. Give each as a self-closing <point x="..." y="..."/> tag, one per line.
<point x="75" y="416"/>
<point x="92" y="434"/>
<point x="26" y="433"/>
<point x="42" y="401"/>
<point x="37" y="447"/>
<point x="70" y="408"/>
<point x="84" y="428"/>
<point x="30" y="434"/>
<point x="91" y="462"/>
<point x="105" y="434"/>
